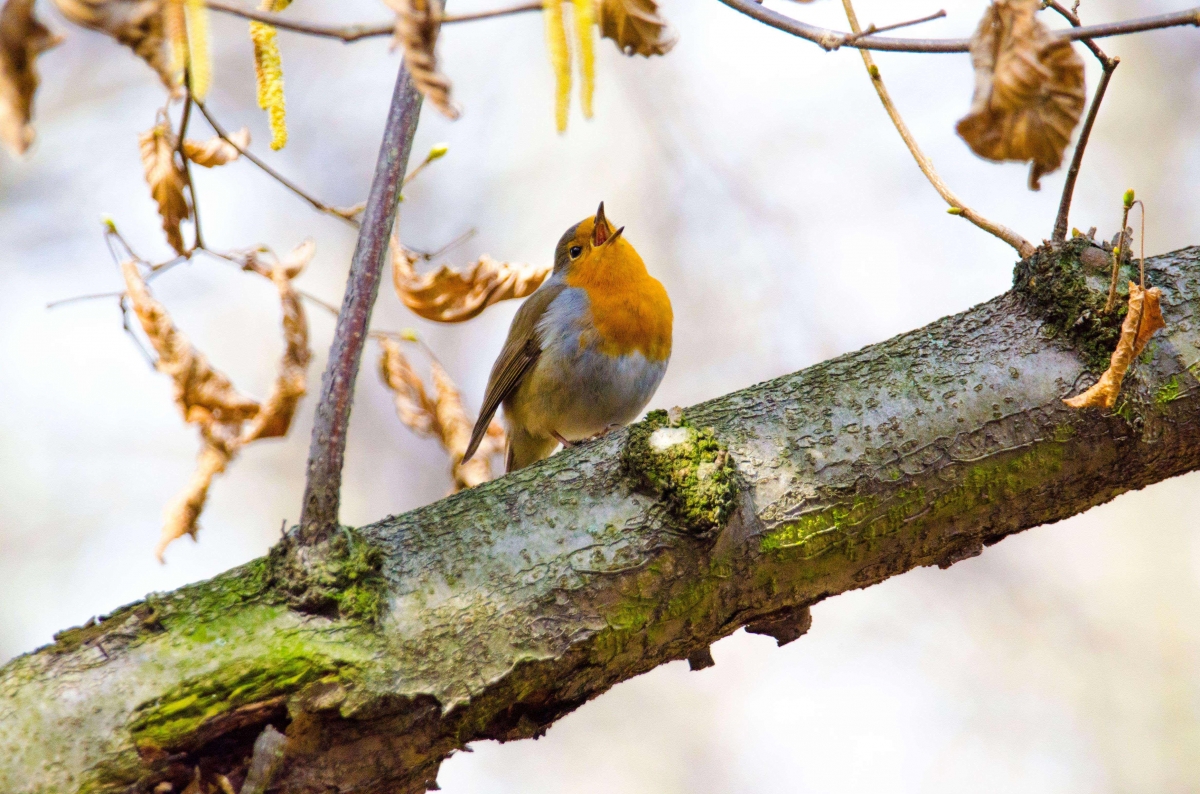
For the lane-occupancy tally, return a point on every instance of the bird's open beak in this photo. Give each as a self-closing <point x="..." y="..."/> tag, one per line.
<point x="601" y="231"/>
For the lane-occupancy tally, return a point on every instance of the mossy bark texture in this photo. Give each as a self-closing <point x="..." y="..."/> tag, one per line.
<point x="492" y="613"/>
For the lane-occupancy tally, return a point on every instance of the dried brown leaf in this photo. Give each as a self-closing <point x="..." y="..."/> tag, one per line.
<point x="216" y="150"/>
<point x="452" y="296"/>
<point x="137" y="24"/>
<point x="1029" y="91"/>
<point x="291" y="382"/>
<point x="22" y="39"/>
<point x="204" y="395"/>
<point x="413" y="405"/>
<point x="441" y="416"/>
<point x="227" y="419"/>
<point x="183" y="513"/>
<point x="1142" y="320"/>
<point x="636" y="27"/>
<point x="166" y="179"/>
<point x="417" y="25"/>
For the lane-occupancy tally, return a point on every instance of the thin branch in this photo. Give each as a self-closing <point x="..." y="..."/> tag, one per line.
<point x="957" y="207"/>
<point x="322" y="498"/>
<point x="1073" y="18"/>
<point x="198" y="241"/>
<point x="1118" y="255"/>
<point x="316" y="203"/>
<point x="1109" y="65"/>
<point x="77" y="298"/>
<point x="832" y="39"/>
<point x="352" y="33"/>
<point x="871" y="30"/>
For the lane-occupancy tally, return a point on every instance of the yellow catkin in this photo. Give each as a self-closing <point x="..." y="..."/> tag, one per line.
<point x="585" y="20"/>
<point x="199" y="57"/>
<point x="175" y="28"/>
<point x="268" y="74"/>
<point x="560" y="59"/>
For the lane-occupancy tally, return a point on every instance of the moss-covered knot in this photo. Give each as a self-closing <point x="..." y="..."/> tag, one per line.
<point x="683" y="466"/>
<point x="342" y="576"/>
<point x="1068" y="286"/>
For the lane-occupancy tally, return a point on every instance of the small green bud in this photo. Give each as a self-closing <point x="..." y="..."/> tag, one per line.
<point x="437" y="152"/>
<point x="1129" y="198"/>
<point x="874" y="72"/>
<point x="110" y="225"/>
<point x="409" y="335"/>
<point x="955" y="211"/>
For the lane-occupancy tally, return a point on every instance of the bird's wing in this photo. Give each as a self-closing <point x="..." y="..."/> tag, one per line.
<point x="520" y="353"/>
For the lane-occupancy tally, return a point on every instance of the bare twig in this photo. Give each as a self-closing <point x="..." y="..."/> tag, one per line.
<point x="957" y="207"/>
<point x="1108" y="65"/>
<point x="352" y="33"/>
<point x="1118" y="255"/>
<point x="319" y="516"/>
<point x="77" y="298"/>
<point x="1073" y="18"/>
<point x="871" y="30"/>
<point x="832" y="39"/>
<point x="198" y="240"/>
<point x="316" y="203"/>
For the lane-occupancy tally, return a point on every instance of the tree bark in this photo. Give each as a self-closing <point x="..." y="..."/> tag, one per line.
<point x="492" y="613"/>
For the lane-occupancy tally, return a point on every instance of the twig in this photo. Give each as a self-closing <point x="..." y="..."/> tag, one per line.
<point x="316" y="203"/>
<point x="1073" y="18"/>
<point x="832" y="39"/>
<point x="871" y="30"/>
<point x="957" y="207"/>
<point x="352" y="33"/>
<point x="77" y="298"/>
<point x="1108" y="65"/>
<point x="198" y="241"/>
<point x="319" y="516"/>
<point x="1141" y="246"/>
<point x="1118" y="255"/>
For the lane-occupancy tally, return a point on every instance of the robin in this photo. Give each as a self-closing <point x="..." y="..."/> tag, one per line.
<point x="586" y="350"/>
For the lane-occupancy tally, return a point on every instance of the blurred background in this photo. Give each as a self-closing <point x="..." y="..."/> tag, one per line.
<point x="763" y="184"/>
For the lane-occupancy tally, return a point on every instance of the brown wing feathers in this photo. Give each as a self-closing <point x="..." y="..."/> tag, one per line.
<point x="520" y="353"/>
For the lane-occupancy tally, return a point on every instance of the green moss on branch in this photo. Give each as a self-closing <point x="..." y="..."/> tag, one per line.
<point x="683" y="466"/>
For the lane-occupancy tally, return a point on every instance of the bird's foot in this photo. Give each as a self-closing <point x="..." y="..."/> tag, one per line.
<point x="567" y="444"/>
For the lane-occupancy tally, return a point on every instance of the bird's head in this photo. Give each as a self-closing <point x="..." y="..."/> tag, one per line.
<point x="593" y="244"/>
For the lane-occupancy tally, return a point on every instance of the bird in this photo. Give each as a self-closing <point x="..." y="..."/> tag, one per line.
<point x="586" y="350"/>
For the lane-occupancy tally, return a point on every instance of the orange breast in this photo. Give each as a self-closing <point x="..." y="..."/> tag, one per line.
<point x="630" y="308"/>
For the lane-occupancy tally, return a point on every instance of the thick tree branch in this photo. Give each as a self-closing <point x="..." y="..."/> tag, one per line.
<point x="322" y="488"/>
<point x="508" y="605"/>
<point x="832" y="39"/>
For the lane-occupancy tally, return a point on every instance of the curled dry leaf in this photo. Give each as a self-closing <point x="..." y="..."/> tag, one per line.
<point x="1142" y="320"/>
<point x="417" y="25"/>
<point x="216" y="150"/>
<point x="1029" y="91"/>
<point x="166" y="179"/>
<point x="452" y="296"/>
<point x="227" y="419"/>
<point x="291" y="382"/>
<point x="138" y="24"/>
<point x="636" y="27"/>
<point x="22" y="39"/>
<point x="441" y="416"/>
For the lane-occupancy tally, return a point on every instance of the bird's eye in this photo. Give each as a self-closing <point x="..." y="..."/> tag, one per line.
<point x="575" y="251"/>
